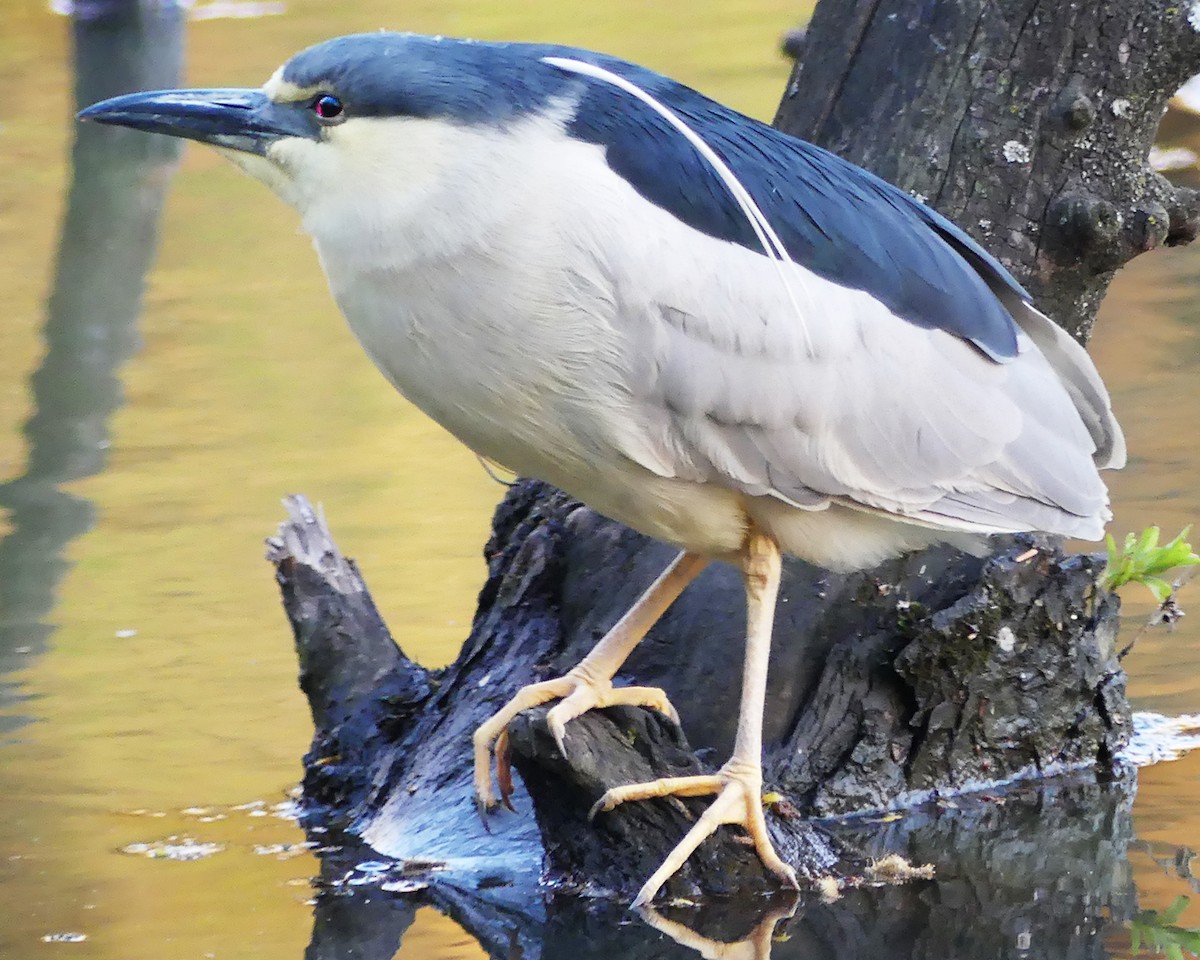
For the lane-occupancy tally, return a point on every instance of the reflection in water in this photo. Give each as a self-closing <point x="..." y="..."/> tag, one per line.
<point x="757" y="945"/>
<point x="195" y="710"/>
<point x="107" y="244"/>
<point x="1036" y="873"/>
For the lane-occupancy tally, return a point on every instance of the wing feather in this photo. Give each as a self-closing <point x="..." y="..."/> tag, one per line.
<point x="876" y="412"/>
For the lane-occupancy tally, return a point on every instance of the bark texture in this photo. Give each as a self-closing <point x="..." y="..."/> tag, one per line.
<point x="931" y="675"/>
<point x="1027" y="122"/>
<point x="919" y="680"/>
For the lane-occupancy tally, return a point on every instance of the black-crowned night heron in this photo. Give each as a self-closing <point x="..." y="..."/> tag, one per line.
<point x="722" y="336"/>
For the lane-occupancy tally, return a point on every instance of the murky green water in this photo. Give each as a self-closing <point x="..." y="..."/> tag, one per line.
<point x="147" y="682"/>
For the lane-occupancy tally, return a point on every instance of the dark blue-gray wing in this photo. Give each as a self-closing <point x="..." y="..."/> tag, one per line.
<point x="834" y="218"/>
<point x="895" y="367"/>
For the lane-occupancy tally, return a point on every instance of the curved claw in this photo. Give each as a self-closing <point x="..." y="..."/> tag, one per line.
<point x="591" y="696"/>
<point x="504" y="770"/>
<point x="558" y="725"/>
<point x="490" y="732"/>
<point x="578" y="693"/>
<point x="597" y="808"/>
<point x="738" y="801"/>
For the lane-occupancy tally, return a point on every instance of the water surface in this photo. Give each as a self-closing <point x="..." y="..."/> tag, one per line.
<point x="147" y="682"/>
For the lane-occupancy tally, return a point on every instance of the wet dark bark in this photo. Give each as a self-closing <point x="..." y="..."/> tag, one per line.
<point x="918" y="679"/>
<point x="390" y="760"/>
<point x="931" y="675"/>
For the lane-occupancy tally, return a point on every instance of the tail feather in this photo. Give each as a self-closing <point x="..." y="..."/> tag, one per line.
<point x="1078" y="374"/>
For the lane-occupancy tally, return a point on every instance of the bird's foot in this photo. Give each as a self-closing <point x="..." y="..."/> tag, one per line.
<point x="577" y="693"/>
<point x="739" y="801"/>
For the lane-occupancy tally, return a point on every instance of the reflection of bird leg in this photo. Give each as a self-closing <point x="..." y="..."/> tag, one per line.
<point x="588" y="685"/>
<point x="755" y="946"/>
<point x="738" y="784"/>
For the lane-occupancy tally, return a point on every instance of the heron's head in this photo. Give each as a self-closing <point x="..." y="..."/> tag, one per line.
<point x="365" y="120"/>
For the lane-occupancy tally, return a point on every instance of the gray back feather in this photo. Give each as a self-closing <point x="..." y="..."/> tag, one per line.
<point x="868" y="411"/>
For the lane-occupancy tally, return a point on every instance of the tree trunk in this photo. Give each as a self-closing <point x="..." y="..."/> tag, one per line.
<point x="1028" y="123"/>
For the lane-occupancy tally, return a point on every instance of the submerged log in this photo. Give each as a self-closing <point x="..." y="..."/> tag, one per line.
<point x="931" y="675"/>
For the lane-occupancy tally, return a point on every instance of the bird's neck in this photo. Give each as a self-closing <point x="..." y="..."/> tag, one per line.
<point x="423" y="191"/>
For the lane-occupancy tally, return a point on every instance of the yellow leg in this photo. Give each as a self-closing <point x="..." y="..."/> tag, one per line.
<point x="588" y="685"/>
<point x="738" y="784"/>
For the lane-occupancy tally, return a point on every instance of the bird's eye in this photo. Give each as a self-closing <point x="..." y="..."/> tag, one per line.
<point x="327" y="107"/>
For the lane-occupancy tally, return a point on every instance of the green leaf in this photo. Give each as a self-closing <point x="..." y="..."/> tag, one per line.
<point x="1171" y="915"/>
<point x="1142" y="560"/>
<point x="1159" y="587"/>
<point x="1158" y="931"/>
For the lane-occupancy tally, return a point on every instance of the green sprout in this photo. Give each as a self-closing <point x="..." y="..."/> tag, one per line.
<point x="1160" y="931"/>
<point x="1142" y="561"/>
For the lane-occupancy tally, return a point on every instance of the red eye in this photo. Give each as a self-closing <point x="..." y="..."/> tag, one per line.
<point x="327" y="107"/>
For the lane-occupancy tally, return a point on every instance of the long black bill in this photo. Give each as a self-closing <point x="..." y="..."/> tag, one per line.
<point x="244" y="120"/>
